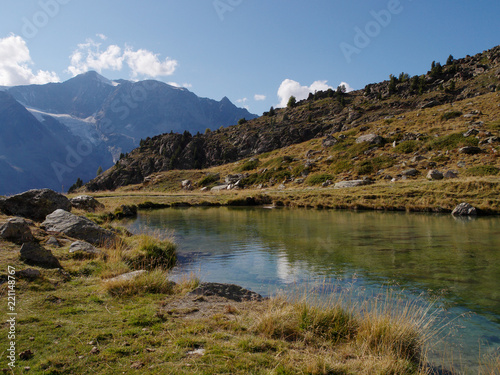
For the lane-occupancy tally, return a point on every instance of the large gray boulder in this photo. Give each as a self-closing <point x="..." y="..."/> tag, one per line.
<point x="77" y="227"/>
<point x="35" y="255"/>
<point x="86" y="202"/>
<point x="16" y="230"/>
<point x="464" y="209"/>
<point x="34" y="204"/>
<point x="372" y="139"/>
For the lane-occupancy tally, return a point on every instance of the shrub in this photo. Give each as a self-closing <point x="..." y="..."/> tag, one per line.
<point x="249" y="165"/>
<point x="292" y="102"/>
<point x="365" y="167"/>
<point x="318" y="179"/>
<point x="242" y="121"/>
<point x="483" y="170"/>
<point x="155" y="282"/>
<point x="208" y="180"/>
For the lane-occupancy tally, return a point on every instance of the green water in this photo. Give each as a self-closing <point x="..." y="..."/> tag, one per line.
<point x="423" y="256"/>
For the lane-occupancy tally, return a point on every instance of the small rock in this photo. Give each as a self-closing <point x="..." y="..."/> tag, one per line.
<point x="417" y="158"/>
<point x="137" y="365"/>
<point x="29" y="274"/>
<point x="186" y="185"/>
<point x="95" y="350"/>
<point x="16" y="230"/>
<point x="52" y="241"/>
<point x="470" y="150"/>
<point x="450" y="174"/>
<point x="87" y="203"/>
<point x="34" y="254"/>
<point x="470" y="133"/>
<point x="410" y="172"/>
<point x="330" y="141"/>
<point x="434" y="174"/>
<point x="461" y="164"/>
<point x="26" y="355"/>
<point x="464" y="209"/>
<point x="219" y="188"/>
<point x="84" y="247"/>
<point x="204" y="188"/>
<point x="200" y="351"/>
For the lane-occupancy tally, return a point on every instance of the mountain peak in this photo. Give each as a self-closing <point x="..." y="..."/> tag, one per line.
<point x="93" y="75"/>
<point x="225" y="100"/>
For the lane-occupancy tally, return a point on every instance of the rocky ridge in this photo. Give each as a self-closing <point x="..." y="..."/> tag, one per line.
<point x="322" y="114"/>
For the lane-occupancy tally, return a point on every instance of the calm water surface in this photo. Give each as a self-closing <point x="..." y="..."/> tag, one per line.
<point x="421" y="256"/>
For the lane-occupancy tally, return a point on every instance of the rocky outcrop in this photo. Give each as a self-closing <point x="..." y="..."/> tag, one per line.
<point x="34" y="204"/>
<point x="16" y="230"/>
<point x="35" y="255"/>
<point x="86" y="203"/>
<point x="464" y="209"/>
<point x="77" y="227"/>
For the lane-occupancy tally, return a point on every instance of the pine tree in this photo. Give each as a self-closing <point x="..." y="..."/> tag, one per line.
<point x="99" y="170"/>
<point x="292" y="102"/>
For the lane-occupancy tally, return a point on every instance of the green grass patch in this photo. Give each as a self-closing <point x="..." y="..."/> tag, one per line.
<point x="249" y="165"/>
<point x="209" y="180"/>
<point x="452" y="141"/>
<point x="318" y="179"/>
<point x="483" y="170"/>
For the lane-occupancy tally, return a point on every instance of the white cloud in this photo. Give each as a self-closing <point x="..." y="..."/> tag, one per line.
<point x="259" y="98"/>
<point x="144" y="62"/>
<point x="15" y="64"/>
<point x="293" y="88"/>
<point x="102" y="36"/>
<point x="90" y="56"/>
<point x="243" y="100"/>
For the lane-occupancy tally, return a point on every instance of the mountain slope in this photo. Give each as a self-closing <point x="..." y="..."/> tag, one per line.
<point x="325" y="113"/>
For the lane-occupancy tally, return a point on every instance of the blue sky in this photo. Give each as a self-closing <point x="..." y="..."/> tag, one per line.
<point x="255" y="52"/>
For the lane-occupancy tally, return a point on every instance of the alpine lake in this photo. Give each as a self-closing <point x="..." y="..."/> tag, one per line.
<point x="450" y="266"/>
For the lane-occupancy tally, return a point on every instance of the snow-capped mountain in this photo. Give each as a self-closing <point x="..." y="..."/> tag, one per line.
<point x="87" y="122"/>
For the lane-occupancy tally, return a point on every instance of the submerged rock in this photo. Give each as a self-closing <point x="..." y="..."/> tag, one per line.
<point x="464" y="209"/>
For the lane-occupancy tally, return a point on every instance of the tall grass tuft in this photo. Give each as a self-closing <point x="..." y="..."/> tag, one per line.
<point x="150" y="252"/>
<point x="154" y="282"/>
